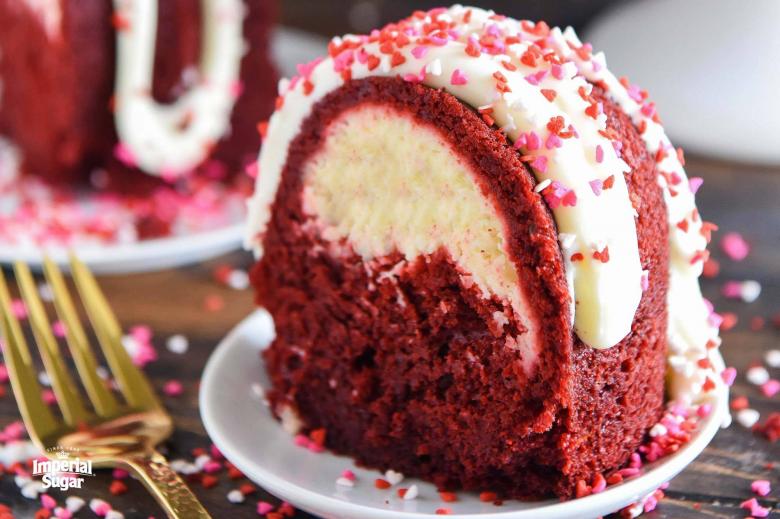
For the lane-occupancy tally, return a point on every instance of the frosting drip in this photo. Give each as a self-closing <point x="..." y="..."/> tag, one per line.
<point x="170" y="140"/>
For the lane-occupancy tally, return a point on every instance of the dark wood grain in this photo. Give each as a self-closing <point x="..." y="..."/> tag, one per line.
<point x="737" y="197"/>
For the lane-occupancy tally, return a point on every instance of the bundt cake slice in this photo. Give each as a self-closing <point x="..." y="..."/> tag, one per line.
<point x="470" y="237"/>
<point x="160" y="86"/>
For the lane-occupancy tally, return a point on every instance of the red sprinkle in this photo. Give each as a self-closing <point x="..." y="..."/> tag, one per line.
<point x="382" y="484"/>
<point x="117" y="488"/>
<point x="448" y="497"/>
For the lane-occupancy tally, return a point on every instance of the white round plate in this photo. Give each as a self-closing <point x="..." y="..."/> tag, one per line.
<point x="242" y="428"/>
<point x="290" y="46"/>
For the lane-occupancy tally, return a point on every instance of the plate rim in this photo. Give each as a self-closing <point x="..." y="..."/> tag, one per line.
<point x="314" y="502"/>
<point x="142" y="256"/>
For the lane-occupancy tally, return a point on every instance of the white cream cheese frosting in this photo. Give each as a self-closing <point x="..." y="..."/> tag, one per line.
<point x="541" y="100"/>
<point x="170" y="140"/>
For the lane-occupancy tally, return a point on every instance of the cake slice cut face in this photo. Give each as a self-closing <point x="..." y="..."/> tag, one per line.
<point x="467" y="235"/>
<point x="385" y="183"/>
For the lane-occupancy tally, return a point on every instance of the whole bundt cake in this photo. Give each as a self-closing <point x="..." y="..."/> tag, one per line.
<point x="481" y="254"/>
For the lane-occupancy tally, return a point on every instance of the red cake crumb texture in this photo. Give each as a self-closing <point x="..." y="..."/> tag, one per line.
<point x="75" y="183"/>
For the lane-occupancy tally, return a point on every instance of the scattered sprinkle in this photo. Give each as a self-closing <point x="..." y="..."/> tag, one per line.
<point x="747" y="417"/>
<point x="757" y="375"/>
<point x="734" y="246"/>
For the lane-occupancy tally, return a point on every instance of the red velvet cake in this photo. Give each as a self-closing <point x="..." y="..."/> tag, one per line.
<point x="162" y="86"/>
<point x="481" y="254"/>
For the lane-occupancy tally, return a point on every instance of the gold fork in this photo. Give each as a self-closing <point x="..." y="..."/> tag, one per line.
<point x="114" y="433"/>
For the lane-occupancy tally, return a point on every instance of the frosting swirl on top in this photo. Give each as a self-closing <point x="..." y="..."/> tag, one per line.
<point x="534" y="83"/>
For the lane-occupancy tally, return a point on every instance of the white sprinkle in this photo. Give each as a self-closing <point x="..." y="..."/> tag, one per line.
<point x="393" y="477"/>
<point x="184" y="467"/>
<point x="541" y="186"/>
<point x="434" y="67"/>
<point x="345" y="482"/>
<point x="102" y="372"/>
<point x="757" y="375"/>
<point x="202" y="460"/>
<point x="566" y="239"/>
<point x="748" y="417"/>
<point x="658" y="430"/>
<point x="772" y="358"/>
<point x="235" y="496"/>
<point x="238" y="279"/>
<point x="178" y="344"/>
<point x="411" y="493"/>
<point x="44" y="379"/>
<point x="46" y="293"/>
<point x="113" y="514"/>
<point x="130" y="344"/>
<point x="74" y="503"/>
<point x="750" y="290"/>
<point x="32" y="489"/>
<point x="21" y="481"/>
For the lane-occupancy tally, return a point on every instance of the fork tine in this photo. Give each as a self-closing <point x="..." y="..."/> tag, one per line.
<point x="38" y="418"/>
<point x="133" y="384"/>
<point x="103" y="401"/>
<point x="73" y="410"/>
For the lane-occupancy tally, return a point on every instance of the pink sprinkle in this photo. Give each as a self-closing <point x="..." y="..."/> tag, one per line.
<point x="735" y="246"/>
<point x="212" y="466"/>
<point x="125" y="155"/>
<point x="761" y="487"/>
<point x="216" y="453"/>
<point x="650" y="503"/>
<point x="596" y="186"/>
<point x="704" y="410"/>
<point x="306" y="69"/>
<point x="3" y="373"/>
<point x="756" y="510"/>
<point x="458" y="77"/>
<point x="264" y="508"/>
<point x="62" y="513"/>
<point x="101" y="509"/>
<point x="732" y="289"/>
<point x="648" y="109"/>
<point x="644" y="281"/>
<point x="48" y="502"/>
<point x="557" y="71"/>
<point x="553" y="141"/>
<point x="18" y="309"/>
<point x="252" y="169"/>
<point x="119" y="474"/>
<point x="770" y="388"/>
<point x="301" y="440"/>
<point x="173" y="388"/>
<point x="534" y="141"/>
<point x="419" y="52"/>
<point x="540" y="163"/>
<point x="628" y="472"/>
<point x="348" y="474"/>
<point x="315" y="447"/>
<point x="636" y="461"/>
<point x="415" y="78"/>
<point x="48" y="396"/>
<point x="695" y="183"/>
<point x="537" y="77"/>
<point x="599" y="154"/>
<point x="58" y="328"/>
<point x="236" y="89"/>
<point x="729" y="375"/>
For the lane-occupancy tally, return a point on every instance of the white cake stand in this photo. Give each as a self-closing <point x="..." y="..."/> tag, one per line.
<point x="711" y="66"/>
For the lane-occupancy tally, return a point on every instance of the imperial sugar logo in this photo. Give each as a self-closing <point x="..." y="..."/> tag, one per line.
<point x="63" y="470"/>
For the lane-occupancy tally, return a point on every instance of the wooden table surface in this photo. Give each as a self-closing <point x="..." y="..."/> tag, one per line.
<point x="737" y="197"/>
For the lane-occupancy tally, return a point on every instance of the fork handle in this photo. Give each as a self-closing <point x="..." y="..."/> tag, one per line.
<point x="168" y="488"/>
